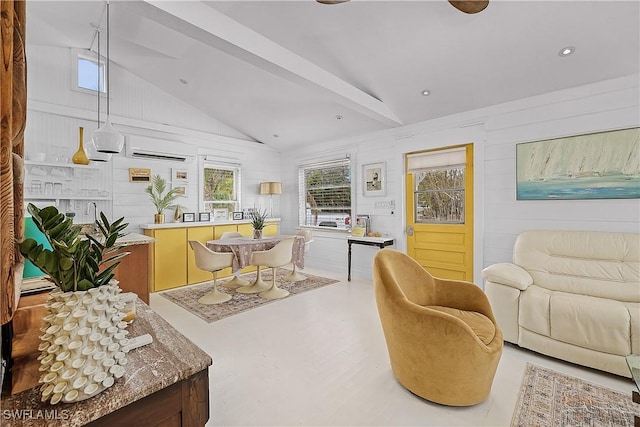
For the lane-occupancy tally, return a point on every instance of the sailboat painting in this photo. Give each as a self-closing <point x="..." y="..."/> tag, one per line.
<point x="603" y="165"/>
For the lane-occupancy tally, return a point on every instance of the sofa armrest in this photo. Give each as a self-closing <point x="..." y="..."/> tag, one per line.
<point x="508" y="274"/>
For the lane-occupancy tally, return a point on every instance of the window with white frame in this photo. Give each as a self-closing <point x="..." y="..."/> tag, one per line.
<point x="89" y="73"/>
<point x="325" y="194"/>
<point x="221" y="188"/>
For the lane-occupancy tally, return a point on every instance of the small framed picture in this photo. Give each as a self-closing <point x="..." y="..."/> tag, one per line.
<point x="238" y="216"/>
<point x="220" y="214"/>
<point x="373" y="179"/>
<point x="179" y="175"/>
<point x="188" y="217"/>
<point x="204" y="216"/>
<point x="182" y="188"/>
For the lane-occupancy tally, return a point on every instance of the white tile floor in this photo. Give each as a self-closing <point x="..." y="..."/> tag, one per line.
<point x="319" y="358"/>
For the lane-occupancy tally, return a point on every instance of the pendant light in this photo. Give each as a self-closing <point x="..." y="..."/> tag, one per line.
<point x="106" y="138"/>
<point x="93" y="154"/>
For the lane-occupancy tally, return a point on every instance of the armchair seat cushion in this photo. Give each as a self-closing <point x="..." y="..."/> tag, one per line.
<point x="480" y="324"/>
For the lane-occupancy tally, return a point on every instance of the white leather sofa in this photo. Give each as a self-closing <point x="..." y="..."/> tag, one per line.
<point x="574" y="295"/>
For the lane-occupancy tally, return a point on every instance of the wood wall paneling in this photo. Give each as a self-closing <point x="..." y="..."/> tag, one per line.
<point x="13" y="93"/>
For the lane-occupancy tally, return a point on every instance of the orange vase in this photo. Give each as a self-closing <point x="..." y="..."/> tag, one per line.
<point x="80" y="156"/>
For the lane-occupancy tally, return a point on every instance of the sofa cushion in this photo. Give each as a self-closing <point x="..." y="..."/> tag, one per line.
<point x="600" y="264"/>
<point x="594" y="323"/>
<point x="480" y="324"/>
<point x="508" y="274"/>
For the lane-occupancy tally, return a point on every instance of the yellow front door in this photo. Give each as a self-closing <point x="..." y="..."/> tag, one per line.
<point x="440" y="211"/>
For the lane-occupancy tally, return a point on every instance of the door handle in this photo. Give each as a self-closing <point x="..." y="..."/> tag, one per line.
<point x="409" y="230"/>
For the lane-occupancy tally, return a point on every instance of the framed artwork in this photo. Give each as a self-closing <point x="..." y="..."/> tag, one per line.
<point x="182" y="188"/>
<point x="139" y="175"/>
<point x="373" y="179"/>
<point x="238" y="216"/>
<point x="179" y="175"/>
<point x="188" y="217"/>
<point x="220" y="214"/>
<point x="204" y="216"/>
<point x="604" y="165"/>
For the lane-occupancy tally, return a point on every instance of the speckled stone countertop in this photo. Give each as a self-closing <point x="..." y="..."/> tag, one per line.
<point x="170" y="358"/>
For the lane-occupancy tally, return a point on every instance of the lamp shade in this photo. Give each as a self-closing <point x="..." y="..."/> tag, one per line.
<point x="96" y="156"/>
<point x="270" y="188"/>
<point x="275" y="188"/>
<point x="107" y="139"/>
<point x="265" y="187"/>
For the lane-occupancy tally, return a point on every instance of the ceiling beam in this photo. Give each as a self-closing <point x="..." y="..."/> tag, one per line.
<point x="209" y="26"/>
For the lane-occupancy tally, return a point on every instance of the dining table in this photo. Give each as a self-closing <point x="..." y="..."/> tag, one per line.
<point x="243" y="247"/>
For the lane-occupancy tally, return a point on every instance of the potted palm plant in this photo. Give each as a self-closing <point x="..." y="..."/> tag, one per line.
<point x="257" y="219"/>
<point x="162" y="201"/>
<point x="84" y="316"/>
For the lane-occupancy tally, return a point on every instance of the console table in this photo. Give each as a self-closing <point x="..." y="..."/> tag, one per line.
<point x="380" y="242"/>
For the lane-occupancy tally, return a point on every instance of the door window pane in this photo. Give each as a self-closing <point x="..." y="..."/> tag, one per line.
<point x="439" y="196"/>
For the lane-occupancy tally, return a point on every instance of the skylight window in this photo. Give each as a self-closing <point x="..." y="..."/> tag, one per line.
<point x="90" y="74"/>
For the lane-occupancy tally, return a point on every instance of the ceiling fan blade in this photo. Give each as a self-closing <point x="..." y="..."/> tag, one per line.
<point x="470" y="6"/>
<point x="332" y="1"/>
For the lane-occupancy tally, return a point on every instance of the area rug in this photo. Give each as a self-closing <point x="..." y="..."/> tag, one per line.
<point x="548" y="398"/>
<point x="187" y="297"/>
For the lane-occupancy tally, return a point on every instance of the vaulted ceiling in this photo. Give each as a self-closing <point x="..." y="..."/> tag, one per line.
<point x="308" y="72"/>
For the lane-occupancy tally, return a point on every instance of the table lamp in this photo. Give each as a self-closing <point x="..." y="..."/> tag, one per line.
<point x="270" y="188"/>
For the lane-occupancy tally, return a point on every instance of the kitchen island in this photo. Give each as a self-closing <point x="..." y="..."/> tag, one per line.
<point x="165" y="383"/>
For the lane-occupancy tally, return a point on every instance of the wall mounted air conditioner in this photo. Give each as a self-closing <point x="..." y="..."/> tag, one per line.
<point x="139" y="147"/>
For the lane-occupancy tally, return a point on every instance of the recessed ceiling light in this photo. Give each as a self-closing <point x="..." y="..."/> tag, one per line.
<point x="426" y="92"/>
<point x="183" y="81"/>
<point x="338" y="116"/>
<point x="566" y="51"/>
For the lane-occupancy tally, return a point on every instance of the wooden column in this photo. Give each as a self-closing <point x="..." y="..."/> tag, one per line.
<point x="13" y="99"/>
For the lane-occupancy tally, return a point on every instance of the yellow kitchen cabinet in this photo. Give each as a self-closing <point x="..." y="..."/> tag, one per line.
<point x="270" y="229"/>
<point x="201" y="234"/>
<point x="246" y="230"/>
<point x="168" y="260"/>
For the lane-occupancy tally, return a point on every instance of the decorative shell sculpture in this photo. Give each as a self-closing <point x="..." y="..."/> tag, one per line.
<point x="83" y="344"/>
<point x="83" y="341"/>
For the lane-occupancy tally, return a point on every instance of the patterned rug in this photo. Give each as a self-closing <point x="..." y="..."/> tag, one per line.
<point x="187" y="297"/>
<point x="548" y="398"/>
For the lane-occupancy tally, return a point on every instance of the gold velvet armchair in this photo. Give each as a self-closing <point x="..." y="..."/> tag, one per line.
<point x="443" y="341"/>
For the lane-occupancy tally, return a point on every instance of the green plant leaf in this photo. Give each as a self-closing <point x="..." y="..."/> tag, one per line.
<point x="84" y="285"/>
<point x="65" y="263"/>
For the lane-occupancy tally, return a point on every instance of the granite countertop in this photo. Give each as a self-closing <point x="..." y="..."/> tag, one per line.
<point x="135" y="239"/>
<point x="199" y="224"/>
<point x="170" y="358"/>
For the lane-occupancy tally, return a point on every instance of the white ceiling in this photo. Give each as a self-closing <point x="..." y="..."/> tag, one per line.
<point x="290" y="67"/>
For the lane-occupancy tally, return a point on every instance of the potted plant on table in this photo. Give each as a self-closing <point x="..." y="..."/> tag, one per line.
<point x="160" y="201"/>
<point x="83" y="315"/>
<point x="257" y="219"/>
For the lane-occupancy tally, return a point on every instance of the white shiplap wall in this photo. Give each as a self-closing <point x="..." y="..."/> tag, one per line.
<point x="140" y="109"/>
<point x="495" y="131"/>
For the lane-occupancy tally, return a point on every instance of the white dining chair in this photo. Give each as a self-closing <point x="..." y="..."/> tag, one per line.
<point x="230" y="235"/>
<point x="296" y="276"/>
<point x="208" y="260"/>
<point x="273" y="258"/>
<point x="236" y="281"/>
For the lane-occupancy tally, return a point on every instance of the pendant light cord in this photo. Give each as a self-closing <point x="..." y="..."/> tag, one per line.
<point x="98" y="78"/>
<point x="108" y="68"/>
